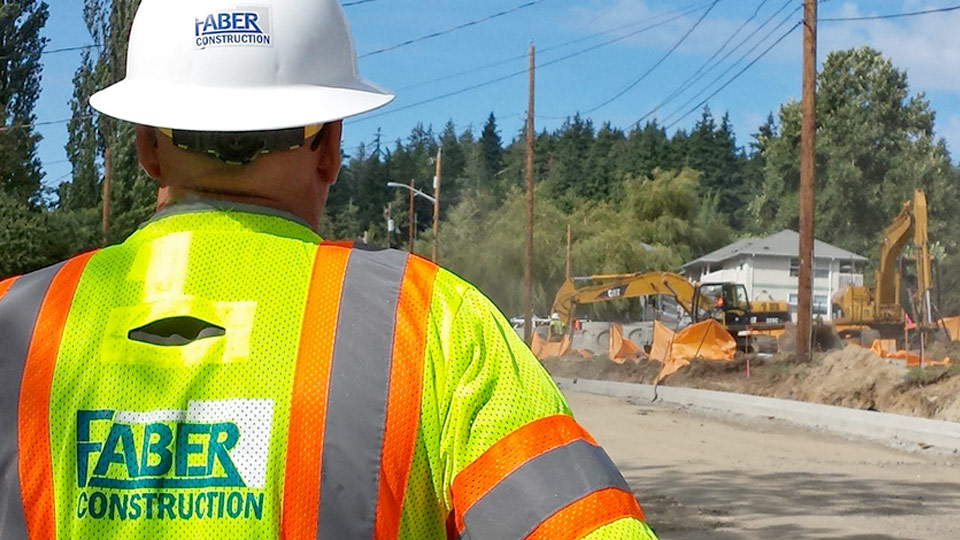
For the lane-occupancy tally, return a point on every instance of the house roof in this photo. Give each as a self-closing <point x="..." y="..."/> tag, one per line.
<point x="782" y="244"/>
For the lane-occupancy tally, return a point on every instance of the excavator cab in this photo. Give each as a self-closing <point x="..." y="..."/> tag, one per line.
<point x="725" y="302"/>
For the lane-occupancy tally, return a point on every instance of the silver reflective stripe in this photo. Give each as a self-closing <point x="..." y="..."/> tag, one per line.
<point x="19" y="309"/>
<point x="357" y="402"/>
<point x="539" y="489"/>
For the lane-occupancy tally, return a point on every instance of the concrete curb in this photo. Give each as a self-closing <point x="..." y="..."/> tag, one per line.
<point x="891" y="429"/>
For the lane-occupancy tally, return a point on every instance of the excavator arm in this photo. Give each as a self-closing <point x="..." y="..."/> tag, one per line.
<point x="912" y="218"/>
<point x="623" y="286"/>
<point x="922" y="245"/>
<point x="887" y="276"/>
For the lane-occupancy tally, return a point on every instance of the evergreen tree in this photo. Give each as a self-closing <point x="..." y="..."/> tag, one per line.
<point x="646" y="150"/>
<point x="491" y="150"/>
<point x="20" y="70"/>
<point x="569" y="177"/>
<point x="712" y="150"/>
<point x="454" y="168"/>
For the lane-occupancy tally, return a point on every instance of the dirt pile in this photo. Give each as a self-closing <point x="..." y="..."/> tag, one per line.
<point x="852" y="377"/>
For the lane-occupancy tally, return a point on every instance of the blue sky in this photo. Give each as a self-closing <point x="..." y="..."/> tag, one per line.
<point x="926" y="47"/>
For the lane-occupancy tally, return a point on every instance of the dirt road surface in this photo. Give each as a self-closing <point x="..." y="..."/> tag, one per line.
<point x="704" y="475"/>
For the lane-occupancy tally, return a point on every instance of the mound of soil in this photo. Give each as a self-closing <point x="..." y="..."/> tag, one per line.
<point x="851" y="377"/>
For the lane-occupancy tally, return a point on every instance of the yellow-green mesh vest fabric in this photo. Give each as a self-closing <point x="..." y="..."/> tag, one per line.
<point x="116" y="403"/>
<point x="245" y="272"/>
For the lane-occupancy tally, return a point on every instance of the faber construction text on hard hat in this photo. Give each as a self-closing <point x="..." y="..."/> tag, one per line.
<point x="248" y="26"/>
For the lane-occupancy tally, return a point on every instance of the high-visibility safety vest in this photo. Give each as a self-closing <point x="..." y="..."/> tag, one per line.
<point x="224" y="374"/>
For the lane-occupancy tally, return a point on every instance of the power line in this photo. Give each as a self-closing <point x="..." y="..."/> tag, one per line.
<point x="518" y="73"/>
<point x="743" y="57"/>
<point x="700" y="73"/>
<point x="680" y="12"/>
<point x="357" y="3"/>
<point x="657" y="64"/>
<point x="70" y="49"/>
<point x="55" y="51"/>
<point x="696" y="107"/>
<point x="892" y="16"/>
<point x="41" y="124"/>
<point x="454" y="29"/>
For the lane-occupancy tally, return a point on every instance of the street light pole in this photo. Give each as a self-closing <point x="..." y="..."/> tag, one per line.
<point x="414" y="192"/>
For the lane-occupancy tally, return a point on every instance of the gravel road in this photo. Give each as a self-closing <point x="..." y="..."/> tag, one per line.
<point x="705" y="475"/>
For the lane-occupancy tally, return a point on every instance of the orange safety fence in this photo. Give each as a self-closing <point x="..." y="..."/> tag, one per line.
<point x="708" y="340"/>
<point x="622" y="349"/>
<point x="885" y="348"/>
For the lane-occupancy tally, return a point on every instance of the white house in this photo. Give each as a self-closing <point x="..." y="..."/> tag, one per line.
<point x="768" y="268"/>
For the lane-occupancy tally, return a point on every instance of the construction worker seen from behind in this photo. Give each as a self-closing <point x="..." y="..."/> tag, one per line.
<point x="224" y="373"/>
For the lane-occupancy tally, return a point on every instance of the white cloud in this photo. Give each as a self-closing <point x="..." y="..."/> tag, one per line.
<point x="926" y="46"/>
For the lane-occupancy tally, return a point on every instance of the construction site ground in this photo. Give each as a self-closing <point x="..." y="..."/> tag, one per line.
<point x="851" y="377"/>
<point x="711" y="475"/>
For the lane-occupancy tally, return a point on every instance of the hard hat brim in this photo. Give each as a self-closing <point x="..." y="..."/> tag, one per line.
<point x="189" y="107"/>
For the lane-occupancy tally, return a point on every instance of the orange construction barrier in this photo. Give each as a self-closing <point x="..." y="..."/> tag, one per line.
<point x="952" y="324"/>
<point x="549" y="349"/>
<point x="622" y="349"/>
<point x="884" y="349"/>
<point x="708" y="340"/>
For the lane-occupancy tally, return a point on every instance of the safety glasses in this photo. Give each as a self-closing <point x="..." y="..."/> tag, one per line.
<point x="243" y="147"/>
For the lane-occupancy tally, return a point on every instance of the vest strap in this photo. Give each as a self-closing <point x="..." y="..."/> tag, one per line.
<point x="359" y="385"/>
<point x="33" y="312"/>
<point x="537" y="479"/>
<point x="358" y="376"/>
<point x="403" y="407"/>
<point x="308" y="407"/>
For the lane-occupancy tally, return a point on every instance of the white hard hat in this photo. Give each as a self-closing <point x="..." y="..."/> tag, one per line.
<point x="226" y="66"/>
<point x="555" y="316"/>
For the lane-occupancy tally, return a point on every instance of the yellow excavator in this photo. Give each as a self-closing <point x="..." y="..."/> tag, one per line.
<point x="724" y="301"/>
<point x="860" y="309"/>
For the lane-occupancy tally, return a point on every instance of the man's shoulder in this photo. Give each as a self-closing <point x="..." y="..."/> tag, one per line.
<point x="44" y="273"/>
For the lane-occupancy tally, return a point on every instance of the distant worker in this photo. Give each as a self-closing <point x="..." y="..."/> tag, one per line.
<point x="224" y="373"/>
<point x="556" y="327"/>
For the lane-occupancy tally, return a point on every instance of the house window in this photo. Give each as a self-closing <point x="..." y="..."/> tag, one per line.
<point x="821" y="271"/>
<point x="820" y="304"/>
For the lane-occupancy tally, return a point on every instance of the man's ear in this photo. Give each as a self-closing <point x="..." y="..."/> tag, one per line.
<point x="328" y="153"/>
<point x="148" y="151"/>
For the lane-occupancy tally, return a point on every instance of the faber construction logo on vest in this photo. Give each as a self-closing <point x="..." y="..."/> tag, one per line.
<point x="241" y="26"/>
<point x="207" y="462"/>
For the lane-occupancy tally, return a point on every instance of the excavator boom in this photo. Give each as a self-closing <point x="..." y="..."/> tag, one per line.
<point x="623" y="286"/>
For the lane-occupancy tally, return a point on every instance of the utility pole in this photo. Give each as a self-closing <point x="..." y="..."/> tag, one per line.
<point x="411" y="214"/>
<point x="807" y="175"/>
<point x="436" y="201"/>
<point x="105" y="219"/>
<point x="528" y="260"/>
<point x="569" y="246"/>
